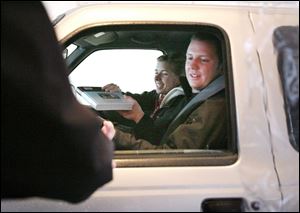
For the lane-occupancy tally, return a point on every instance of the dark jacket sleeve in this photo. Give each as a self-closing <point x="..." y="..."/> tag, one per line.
<point x="51" y="146"/>
<point x="146" y="100"/>
<point x="153" y="130"/>
<point x="146" y="128"/>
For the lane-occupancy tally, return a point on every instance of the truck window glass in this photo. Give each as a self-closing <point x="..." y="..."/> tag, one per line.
<point x="286" y="42"/>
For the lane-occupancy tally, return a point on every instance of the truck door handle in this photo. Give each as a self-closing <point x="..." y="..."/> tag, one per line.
<point x="223" y="205"/>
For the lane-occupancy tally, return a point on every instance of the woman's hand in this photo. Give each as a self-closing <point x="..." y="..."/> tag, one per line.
<point x="111" y="88"/>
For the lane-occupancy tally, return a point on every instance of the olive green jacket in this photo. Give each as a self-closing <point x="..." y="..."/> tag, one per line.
<point x="204" y="128"/>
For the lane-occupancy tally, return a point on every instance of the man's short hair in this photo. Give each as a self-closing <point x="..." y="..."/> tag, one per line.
<point x="212" y="39"/>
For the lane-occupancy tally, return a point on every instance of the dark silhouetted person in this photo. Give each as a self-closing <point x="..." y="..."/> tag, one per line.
<point x="51" y="146"/>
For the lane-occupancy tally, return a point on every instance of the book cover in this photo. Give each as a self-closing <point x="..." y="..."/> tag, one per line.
<point x="101" y="100"/>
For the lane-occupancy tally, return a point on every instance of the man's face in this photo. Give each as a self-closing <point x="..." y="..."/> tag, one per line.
<point x="164" y="78"/>
<point x="201" y="64"/>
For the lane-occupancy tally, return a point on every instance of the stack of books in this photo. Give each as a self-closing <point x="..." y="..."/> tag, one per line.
<point x="101" y="100"/>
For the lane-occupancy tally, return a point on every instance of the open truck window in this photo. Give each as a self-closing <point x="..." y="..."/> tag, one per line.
<point x="127" y="57"/>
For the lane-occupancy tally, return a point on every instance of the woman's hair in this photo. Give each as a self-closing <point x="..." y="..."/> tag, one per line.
<point x="176" y="60"/>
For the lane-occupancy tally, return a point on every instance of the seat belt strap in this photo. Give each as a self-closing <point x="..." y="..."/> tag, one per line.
<point x="213" y="88"/>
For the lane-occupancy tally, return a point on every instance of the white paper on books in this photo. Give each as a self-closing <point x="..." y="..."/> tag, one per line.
<point x="101" y="100"/>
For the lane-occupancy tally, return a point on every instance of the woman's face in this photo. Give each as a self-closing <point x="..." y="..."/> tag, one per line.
<point x="164" y="78"/>
<point x="201" y="64"/>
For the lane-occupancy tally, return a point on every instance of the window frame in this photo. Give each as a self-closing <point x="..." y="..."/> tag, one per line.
<point x="144" y="158"/>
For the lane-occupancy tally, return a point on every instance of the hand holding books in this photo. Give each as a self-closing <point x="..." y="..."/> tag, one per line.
<point x="101" y="100"/>
<point x="111" y="88"/>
